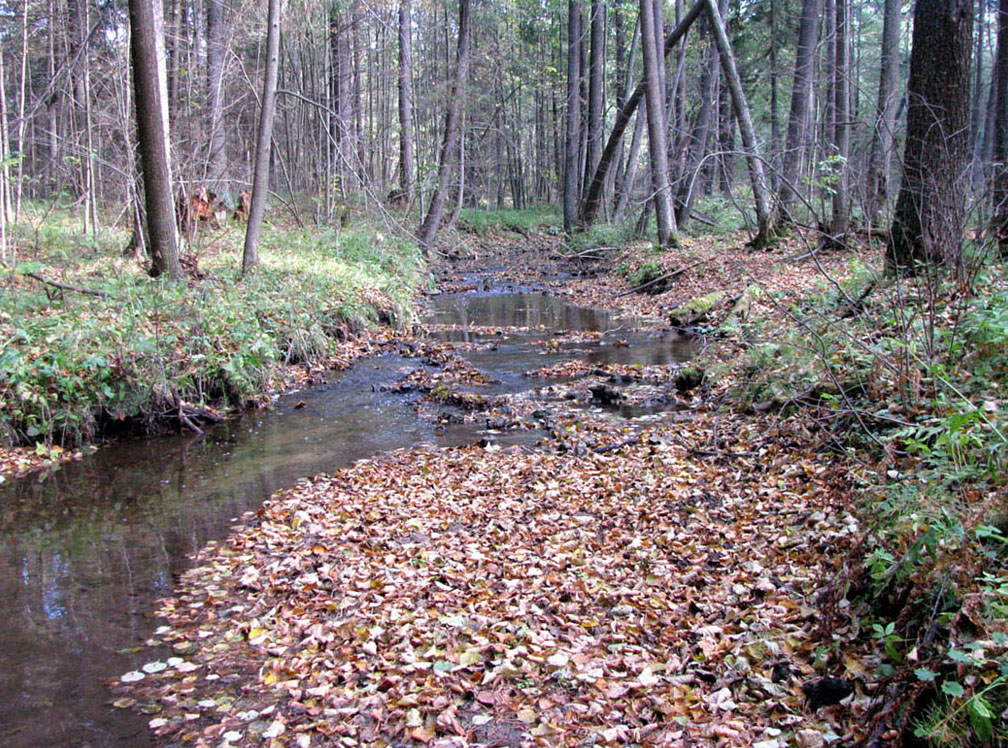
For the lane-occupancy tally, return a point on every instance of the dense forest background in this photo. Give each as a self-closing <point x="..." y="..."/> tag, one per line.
<point x="363" y="88"/>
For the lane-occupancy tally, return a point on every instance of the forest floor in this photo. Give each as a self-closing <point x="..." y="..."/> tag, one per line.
<point x="664" y="583"/>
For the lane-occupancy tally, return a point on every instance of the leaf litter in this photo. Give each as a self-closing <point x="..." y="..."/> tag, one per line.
<point x="469" y="596"/>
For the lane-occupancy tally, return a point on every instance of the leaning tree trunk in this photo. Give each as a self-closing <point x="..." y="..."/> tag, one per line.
<point x="1001" y="134"/>
<point x="406" y="170"/>
<point x="928" y="221"/>
<point x="880" y="160"/>
<point x="630" y="172"/>
<point x="150" y="82"/>
<point x="801" y="102"/>
<point x="697" y="142"/>
<point x="264" y="141"/>
<point x="435" y="211"/>
<point x="654" y="95"/>
<point x="761" y="196"/>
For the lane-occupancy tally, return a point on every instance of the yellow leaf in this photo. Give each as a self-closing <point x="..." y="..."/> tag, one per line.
<point x="257" y="635"/>
<point x="528" y="716"/>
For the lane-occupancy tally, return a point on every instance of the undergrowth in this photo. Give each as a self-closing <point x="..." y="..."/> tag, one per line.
<point x="908" y="376"/>
<point x="527" y="221"/>
<point x="119" y="349"/>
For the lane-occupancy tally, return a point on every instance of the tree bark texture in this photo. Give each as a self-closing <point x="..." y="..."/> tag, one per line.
<point x="264" y="141"/>
<point x="841" y="125"/>
<point x="217" y="157"/>
<point x="435" y="212"/>
<point x="883" y="138"/>
<point x="596" y="78"/>
<point x="654" y="95"/>
<point x="801" y="103"/>
<point x="928" y="220"/>
<point x="406" y="168"/>
<point x="150" y="81"/>
<point x="572" y="116"/>
<point x="1001" y="134"/>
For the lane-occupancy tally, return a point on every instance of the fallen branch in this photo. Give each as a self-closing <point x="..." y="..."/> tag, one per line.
<point x="701" y="218"/>
<point x="184" y="420"/>
<point x="725" y="304"/>
<point x="75" y="289"/>
<point x="718" y="453"/>
<point x="617" y="445"/>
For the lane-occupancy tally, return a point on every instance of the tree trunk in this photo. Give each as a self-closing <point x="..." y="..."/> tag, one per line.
<point x="150" y="81"/>
<point x="774" y="107"/>
<point x="623" y="84"/>
<point x="883" y="139"/>
<point x="217" y="157"/>
<point x="1001" y="134"/>
<point x="590" y="206"/>
<point x="654" y="95"/>
<point x="801" y="102"/>
<point x="432" y="222"/>
<point x="406" y="171"/>
<point x="928" y="221"/>
<point x="6" y="211"/>
<point x="21" y="110"/>
<point x="596" y="78"/>
<point x="572" y="116"/>
<point x="630" y="172"/>
<point x="697" y="145"/>
<point x="841" y="125"/>
<point x="264" y="142"/>
<point x="977" y="112"/>
<point x="761" y="196"/>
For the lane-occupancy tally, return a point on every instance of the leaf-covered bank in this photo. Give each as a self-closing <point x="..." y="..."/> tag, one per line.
<point x="91" y="344"/>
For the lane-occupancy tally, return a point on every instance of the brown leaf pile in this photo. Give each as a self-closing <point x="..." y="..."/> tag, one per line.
<point x="18" y="461"/>
<point x="469" y="596"/>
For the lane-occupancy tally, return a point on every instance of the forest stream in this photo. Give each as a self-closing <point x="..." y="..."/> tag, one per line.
<point x="88" y="549"/>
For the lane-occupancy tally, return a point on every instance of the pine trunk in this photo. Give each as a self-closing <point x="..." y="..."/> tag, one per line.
<point x="928" y="220"/>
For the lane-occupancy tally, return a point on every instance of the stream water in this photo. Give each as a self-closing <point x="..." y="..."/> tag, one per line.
<point x="87" y="550"/>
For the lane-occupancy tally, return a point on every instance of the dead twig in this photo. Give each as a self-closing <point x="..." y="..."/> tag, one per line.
<point x="587" y="254"/>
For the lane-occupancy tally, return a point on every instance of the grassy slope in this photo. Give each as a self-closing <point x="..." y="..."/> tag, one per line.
<point x="72" y="363"/>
